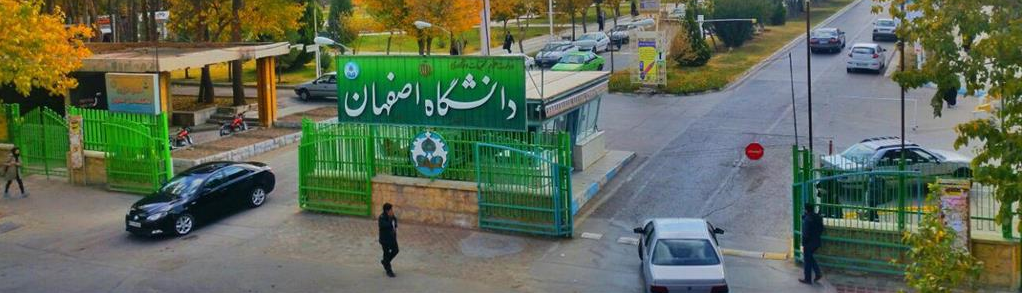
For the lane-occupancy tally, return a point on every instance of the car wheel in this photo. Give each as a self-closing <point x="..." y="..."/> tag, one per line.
<point x="848" y="70"/>
<point x="304" y="96"/>
<point x="224" y="131"/>
<point x="184" y="224"/>
<point x="258" y="197"/>
<point x="600" y="68"/>
<point x="962" y="173"/>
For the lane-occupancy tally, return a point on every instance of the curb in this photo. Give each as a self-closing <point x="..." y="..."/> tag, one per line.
<point x="754" y="254"/>
<point x="242" y="153"/>
<point x="741" y="79"/>
<point x="581" y="214"/>
<point x="595" y="187"/>
<point x="224" y="84"/>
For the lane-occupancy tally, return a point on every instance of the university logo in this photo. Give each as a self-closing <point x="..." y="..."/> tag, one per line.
<point x="429" y="153"/>
<point x="351" y="70"/>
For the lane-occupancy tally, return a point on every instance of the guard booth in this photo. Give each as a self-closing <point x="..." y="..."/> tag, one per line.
<point x="464" y="141"/>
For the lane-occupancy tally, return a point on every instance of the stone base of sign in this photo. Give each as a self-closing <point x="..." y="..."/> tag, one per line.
<point x="585" y="153"/>
<point x="93" y="171"/>
<point x="192" y="118"/>
<point x="586" y="184"/>
<point x="1002" y="260"/>
<point x="438" y="202"/>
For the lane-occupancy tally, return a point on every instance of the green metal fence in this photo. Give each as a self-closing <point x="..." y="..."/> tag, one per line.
<point x="10" y="119"/>
<point x="43" y="140"/>
<point x="523" y="191"/>
<point x="867" y="208"/>
<point x="136" y="161"/>
<point x="335" y="168"/>
<point x="338" y="161"/>
<point x="94" y="129"/>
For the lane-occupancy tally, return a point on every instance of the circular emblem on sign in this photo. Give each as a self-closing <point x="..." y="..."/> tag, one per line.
<point x="429" y="153"/>
<point x="425" y="69"/>
<point x="351" y="70"/>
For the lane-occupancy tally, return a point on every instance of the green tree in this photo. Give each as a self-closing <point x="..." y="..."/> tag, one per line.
<point x="735" y="33"/>
<point x="779" y="14"/>
<point x="973" y="44"/>
<point x="698" y="52"/>
<point x="305" y="34"/>
<point x="339" y="10"/>
<point x="934" y="263"/>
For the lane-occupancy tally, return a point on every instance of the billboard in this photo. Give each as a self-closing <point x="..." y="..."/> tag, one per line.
<point x="447" y="91"/>
<point x="649" y="6"/>
<point x="133" y="93"/>
<point x="650" y="66"/>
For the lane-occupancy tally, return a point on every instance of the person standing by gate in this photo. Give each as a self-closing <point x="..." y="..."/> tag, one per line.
<point x="12" y="172"/>
<point x="812" y="229"/>
<point x="388" y="237"/>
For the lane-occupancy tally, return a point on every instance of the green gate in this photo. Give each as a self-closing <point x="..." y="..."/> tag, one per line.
<point x="43" y="141"/>
<point x="335" y="168"/>
<point x="136" y="161"/>
<point x="523" y="191"/>
<point x="10" y="119"/>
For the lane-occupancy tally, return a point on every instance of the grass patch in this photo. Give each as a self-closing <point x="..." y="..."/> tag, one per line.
<point x="406" y="43"/>
<point x="727" y="65"/>
<point x="219" y="73"/>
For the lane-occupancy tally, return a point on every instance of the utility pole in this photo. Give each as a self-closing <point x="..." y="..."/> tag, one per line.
<point x="809" y="75"/>
<point x="484" y="29"/>
<point x="550" y="12"/>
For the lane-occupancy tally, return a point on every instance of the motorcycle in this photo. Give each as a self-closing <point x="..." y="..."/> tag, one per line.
<point x="181" y="139"/>
<point x="237" y="124"/>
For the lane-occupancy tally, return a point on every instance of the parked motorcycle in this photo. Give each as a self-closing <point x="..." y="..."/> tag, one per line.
<point x="238" y="124"/>
<point x="181" y="139"/>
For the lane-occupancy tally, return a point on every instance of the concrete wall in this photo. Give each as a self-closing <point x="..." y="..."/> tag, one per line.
<point x="585" y="153"/>
<point x="438" y="202"/>
<point x="93" y="172"/>
<point x="1002" y="260"/>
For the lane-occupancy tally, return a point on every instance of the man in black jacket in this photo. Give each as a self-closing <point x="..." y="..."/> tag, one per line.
<point x="812" y="229"/>
<point x="388" y="237"/>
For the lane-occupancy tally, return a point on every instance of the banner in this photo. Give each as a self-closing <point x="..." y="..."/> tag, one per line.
<point x="650" y="59"/>
<point x="133" y="93"/>
<point x="444" y="91"/>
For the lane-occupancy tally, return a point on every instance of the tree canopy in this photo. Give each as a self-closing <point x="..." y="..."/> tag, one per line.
<point x="37" y="50"/>
<point x="210" y="20"/>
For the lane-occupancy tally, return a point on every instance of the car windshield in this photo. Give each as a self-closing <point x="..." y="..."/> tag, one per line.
<point x="573" y="59"/>
<point x="885" y="23"/>
<point x="553" y="47"/>
<point x="824" y="34"/>
<point x="590" y="37"/>
<point x="621" y="28"/>
<point x="858" y="153"/>
<point x="684" y="252"/>
<point x="180" y="186"/>
<point x="863" y="50"/>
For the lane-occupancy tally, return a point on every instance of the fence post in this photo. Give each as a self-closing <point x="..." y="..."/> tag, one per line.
<point x="796" y="198"/>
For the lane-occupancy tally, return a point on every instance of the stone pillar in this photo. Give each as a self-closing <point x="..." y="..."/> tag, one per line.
<point x="266" y="90"/>
<point x="165" y="96"/>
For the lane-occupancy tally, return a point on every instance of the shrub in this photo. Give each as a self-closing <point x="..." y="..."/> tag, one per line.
<point x="326" y="61"/>
<point x="779" y="15"/>
<point x="735" y="33"/>
<point x="695" y="51"/>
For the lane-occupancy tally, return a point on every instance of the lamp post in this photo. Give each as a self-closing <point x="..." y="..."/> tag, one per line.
<point x="324" y="41"/>
<point x="809" y="76"/>
<point x="425" y="25"/>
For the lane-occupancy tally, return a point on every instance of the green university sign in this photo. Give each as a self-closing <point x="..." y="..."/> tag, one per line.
<point x="447" y="91"/>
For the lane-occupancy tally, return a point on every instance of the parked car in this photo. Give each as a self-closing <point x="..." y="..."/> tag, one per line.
<point x="324" y="86"/>
<point x="681" y="255"/>
<point x="621" y="34"/>
<point x="579" y="61"/>
<point x="827" y="39"/>
<point x="530" y="62"/>
<point x="594" y="41"/>
<point x="553" y="51"/>
<point x="868" y="56"/>
<point x="884" y="28"/>
<point x="882" y="154"/>
<point x="201" y="193"/>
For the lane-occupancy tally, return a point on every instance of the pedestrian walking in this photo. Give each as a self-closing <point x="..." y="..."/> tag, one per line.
<point x="388" y="237"/>
<point x="508" y="41"/>
<point x="812" y="229"/>
<point x="12" y="172"/>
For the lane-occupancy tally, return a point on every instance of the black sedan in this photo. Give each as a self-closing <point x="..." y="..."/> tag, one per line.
<point x="200" y="193"/>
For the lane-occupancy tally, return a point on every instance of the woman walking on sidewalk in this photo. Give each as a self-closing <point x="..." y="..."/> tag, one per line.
<point x="12" y="172"/>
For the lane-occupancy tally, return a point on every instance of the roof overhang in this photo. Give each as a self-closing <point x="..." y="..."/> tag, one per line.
<point x="165" y="57"/>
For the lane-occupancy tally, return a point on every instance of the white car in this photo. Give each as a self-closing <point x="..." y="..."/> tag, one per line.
<point x="867" y="56"/>
<point x="681" y="255"/>
<point x="323" y="87"/>
<point x="884" y="29"/>
<point x="594" y="41"/>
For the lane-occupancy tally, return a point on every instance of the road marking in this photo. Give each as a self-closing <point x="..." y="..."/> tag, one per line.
<point x="593" y="236"/>
<point x="628" y="240"/>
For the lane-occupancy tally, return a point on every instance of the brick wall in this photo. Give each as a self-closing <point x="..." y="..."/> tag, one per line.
<point x="439" y="202"/>
<point x="1001" y="261"/>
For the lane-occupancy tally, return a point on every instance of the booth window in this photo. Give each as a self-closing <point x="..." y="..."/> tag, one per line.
<point x="587" y="117"/>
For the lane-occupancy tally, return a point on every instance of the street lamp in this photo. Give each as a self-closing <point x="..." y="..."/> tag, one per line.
<point x="324" y="41"/>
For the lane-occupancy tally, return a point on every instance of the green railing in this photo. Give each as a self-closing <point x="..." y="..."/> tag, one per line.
<point x="338" y="161"/>
<point x="10" y="119"/>
<point x="94" y="131"/>
<point x="136" y="161"/>
<point x="867" y="207"/>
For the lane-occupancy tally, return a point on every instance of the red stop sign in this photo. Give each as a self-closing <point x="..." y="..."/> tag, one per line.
<point x="754" y="151"/>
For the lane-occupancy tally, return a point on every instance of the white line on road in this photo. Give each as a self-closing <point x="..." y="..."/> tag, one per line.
<point x="628" y="240"/>
<point x="593" y="236"/>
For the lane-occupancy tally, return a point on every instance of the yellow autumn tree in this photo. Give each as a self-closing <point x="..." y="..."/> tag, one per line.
<point x="456" y="16"/>
<point x="37" y="50"/>
<point x="211" y="20"/>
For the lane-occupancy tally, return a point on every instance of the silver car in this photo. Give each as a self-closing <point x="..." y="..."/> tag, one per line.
<point x="884" y="28"/>
<point x="866" y="56"/>
<point x="883" y="153"/>
<point x="324" y="86"/>
<point x="681" y="255"/>
<point x="594" y="41"/>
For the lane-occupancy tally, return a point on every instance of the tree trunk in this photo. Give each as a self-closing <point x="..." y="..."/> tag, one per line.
<point x="145" y="21"/>
<point x="617" y="14"/>
<point x="205" y="87"/>
<point x="132" y="31"/>
<point x="573" y="25"/>
<point x="429" y="46"/>
<point x="585" y="11"/>
<point x="151" y="14"/>
<point x="236" y="82"/>
<point x="389" y="38"/>
<point x="521" y="35"/>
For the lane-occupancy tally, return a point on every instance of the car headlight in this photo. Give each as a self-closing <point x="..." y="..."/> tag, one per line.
<point x="156" y="216"/>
